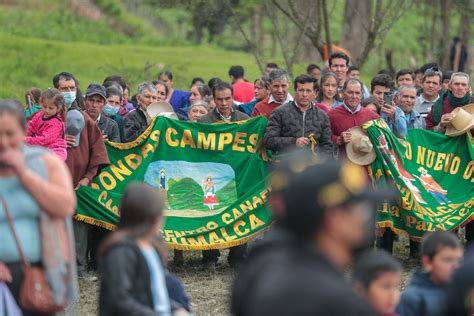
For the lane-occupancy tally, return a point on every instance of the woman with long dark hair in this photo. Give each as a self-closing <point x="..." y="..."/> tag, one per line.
<point x="133" y="260"/>
<point x="328" y="95"/>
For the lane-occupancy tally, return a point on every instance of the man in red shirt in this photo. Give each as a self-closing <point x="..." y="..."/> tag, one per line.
<point x="243" y="90"/>
<point x="348" y="115"/>
<point x="278" y="88"/>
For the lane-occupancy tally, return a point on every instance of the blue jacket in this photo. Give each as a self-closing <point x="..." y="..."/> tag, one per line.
<point x="422" y="297"/>
<point x="399" y="127"/>
<point x="415" y="120"/>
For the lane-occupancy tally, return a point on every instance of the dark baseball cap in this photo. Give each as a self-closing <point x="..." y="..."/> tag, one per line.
<point x="96" y="89"/>
<point x="309" y="188"/>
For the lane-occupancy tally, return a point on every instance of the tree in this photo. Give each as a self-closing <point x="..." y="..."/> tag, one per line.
<point x="369" y="31"/>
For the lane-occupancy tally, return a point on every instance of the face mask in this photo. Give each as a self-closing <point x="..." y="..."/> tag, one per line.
<point x="110" y="110"/>
<point x="69" y="98"/>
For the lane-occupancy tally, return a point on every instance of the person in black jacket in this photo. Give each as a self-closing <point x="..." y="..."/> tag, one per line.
<point x="132" y="261"/>
<point x="322" y="219"/>
<point x="137" y="120"/>
<point x="299" y="123"/>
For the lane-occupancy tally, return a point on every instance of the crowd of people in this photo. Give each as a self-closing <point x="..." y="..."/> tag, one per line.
<point x="297" y="268"/>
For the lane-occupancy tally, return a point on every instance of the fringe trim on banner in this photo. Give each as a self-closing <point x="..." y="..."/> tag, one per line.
<point x="96" y="222"/>
<point x="219" y="245"/>
<point x="382" y="226"/>
<point x="108" y="226"/>
<point x="137" y="141"/>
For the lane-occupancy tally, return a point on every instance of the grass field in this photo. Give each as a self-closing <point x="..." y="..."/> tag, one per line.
<point x="27" y="62"/>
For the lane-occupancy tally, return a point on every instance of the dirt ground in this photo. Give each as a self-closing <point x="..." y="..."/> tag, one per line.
<point x="209" y="290"/>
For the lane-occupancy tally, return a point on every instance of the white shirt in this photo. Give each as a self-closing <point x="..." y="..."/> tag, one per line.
<point x="288" y="99"/>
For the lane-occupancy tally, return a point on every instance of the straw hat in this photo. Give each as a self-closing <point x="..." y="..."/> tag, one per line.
<point x="462" y="121"/>
<point x="161" y="108"/>
<point x="360" y="149"/>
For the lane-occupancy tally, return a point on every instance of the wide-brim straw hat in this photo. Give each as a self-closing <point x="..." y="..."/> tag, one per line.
<point x="360" y="149"/>
<point x="462" y="121"/>
<point x="161" y="108"/>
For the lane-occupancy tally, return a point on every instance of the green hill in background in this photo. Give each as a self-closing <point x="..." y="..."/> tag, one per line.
<point x="227" y="194"/>
<point x="185" y="194"/>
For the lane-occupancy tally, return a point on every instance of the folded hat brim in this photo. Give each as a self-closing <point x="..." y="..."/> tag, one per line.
<point x="358" y="158"/>
<point x="451" y="131"/>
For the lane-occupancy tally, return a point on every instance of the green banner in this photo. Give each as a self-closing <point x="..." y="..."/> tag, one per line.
<point x="212" y="178"/>
<point x="433" y="175"/>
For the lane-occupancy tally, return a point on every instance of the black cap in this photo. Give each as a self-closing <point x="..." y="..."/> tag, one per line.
<point x="309" y="188"/>
<point x="96" y="89"/>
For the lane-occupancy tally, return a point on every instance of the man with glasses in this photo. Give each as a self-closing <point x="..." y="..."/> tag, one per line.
<point x="431" y="84"/>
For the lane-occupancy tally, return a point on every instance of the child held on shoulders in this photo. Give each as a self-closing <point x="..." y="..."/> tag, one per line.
<point x="441" y="253"/>
<point x="47" y="127"/>
<point x="377" y="277"/>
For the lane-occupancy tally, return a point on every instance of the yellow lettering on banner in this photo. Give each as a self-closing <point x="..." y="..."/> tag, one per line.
<point x="184" y="241"/>
<point x="421" y="225"/>
<point x="201" y="230"/>
<point x="236" y="213"/>
<point x="95" y="186"/>
<point x="187" y="139"/>
<point x="211" y="225"/>
<point x="204" y="142"/>
<point x="107" y="180"/>
<point x="430" y="159"/>
<point x="199" y="242"/>
<point x="439" y="161"/>
<point x="452" y="219"/>
<point x="214" y="239"/>
<point x="227" y="218"/>
<point x="239" y="141"/>
<point x="408" y="153"/>
<point x="410" y="220"/>
<point x="224" y="139"/>
<point x="252" y="148"/>
<point x="455" y="165"/>
<point x="257" y="201"/>
<point x="447" y="163"/>
<point x="102" y="196"/>
<point x="171" y="142"/>
<point x="119" y="169"/>
<point x="468" y="172"/>
<point x="246" y="207"/>
<point x="226" y="236"/>
<point x="133" y="161"/>
<point x="168" y="233"/>
<point x="263" y="194"/>
<point x="146" y="149"/>
<point x="255" y="222"/>
<point x="155" y="135"/>
<point x="237" y="230"/>
<point x="420" y="158"/>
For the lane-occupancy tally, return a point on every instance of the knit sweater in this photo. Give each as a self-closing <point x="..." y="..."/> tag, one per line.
<point x="342" y="120"/>
<point x="47" y="132"/>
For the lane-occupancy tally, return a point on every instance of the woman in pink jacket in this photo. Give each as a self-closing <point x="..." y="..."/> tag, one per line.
<point x="47" y="127"/>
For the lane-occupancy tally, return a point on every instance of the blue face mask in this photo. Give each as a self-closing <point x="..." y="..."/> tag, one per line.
<point x="69" y="97"/>
<point x="110" y="110"/>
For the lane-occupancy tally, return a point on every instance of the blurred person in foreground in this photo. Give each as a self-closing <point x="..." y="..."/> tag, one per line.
<point x="133" y="261"/>
<point x="323" y="217"/>
<point x="37" y="190"/>
<point x="460" y="292"/>
<point x="441" y="254"/>
<point x="377" y="277"/>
